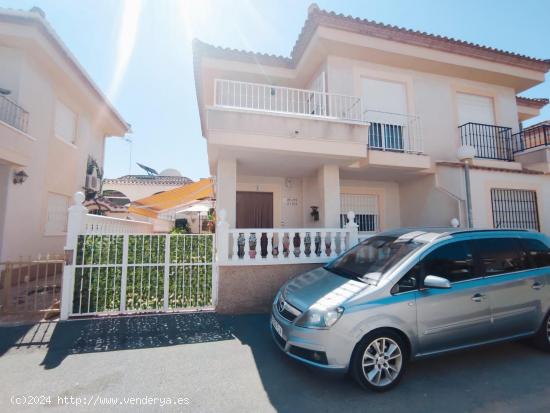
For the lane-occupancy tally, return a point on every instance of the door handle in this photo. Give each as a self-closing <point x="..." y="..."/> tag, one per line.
<point x="537" y="285"/>
<point x="478" y="297"/>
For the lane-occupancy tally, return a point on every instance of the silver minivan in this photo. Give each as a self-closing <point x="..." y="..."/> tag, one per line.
<point x="411" y="293"/>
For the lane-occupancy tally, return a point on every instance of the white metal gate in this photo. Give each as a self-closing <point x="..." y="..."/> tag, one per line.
<point x="136" y="273"/>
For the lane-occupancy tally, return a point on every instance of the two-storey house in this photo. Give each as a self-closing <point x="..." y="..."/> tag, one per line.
<point x="369" y="118"/>
<point x="53" y="124"/>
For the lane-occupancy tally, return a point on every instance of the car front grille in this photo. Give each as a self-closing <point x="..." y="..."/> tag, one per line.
<point x="287" y="311"/>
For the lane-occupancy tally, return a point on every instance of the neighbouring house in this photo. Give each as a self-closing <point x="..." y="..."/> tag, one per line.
<point x="191" y="202"/>
<point x="129" y="188"/>
<point x="363" y="117"/>
<point x="53" y="124"/>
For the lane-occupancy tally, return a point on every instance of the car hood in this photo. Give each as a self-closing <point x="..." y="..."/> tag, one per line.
<point x="322" y="288"/>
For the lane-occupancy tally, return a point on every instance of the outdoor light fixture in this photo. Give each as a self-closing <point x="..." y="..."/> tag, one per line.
<point x="20" y="177"/>
<point x="466" y="154"/>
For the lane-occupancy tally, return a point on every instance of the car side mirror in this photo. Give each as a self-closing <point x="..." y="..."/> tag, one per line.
<point x="433" y="281"/>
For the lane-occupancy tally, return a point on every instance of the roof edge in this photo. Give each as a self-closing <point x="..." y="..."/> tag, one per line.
<point x="29" y="17"/>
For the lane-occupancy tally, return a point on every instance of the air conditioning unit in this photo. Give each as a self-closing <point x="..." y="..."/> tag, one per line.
<point x="92" y="183"/>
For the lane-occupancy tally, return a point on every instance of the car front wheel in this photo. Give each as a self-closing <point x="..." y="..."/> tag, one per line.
<point x="379" y="360"/>
<point x="542" y="339"/>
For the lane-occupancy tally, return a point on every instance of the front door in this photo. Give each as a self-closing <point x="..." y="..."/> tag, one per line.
<point x="254" y="209"/>
<point x="458" y="316"/>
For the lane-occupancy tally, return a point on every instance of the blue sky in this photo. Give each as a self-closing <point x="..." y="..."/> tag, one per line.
<point x="139" y="53"/>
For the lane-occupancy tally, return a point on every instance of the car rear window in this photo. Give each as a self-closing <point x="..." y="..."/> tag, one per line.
<point x="501" y="255"/>
<point x="537" y="252"/>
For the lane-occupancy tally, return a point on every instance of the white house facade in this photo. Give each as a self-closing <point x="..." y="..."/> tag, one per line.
<point x="368" y="118"/>
<point x="53" y="122"/>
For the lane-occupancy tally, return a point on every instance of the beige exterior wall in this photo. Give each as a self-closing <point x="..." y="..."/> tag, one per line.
<point x="34" y="75"/>
<point x="430" y="96"/>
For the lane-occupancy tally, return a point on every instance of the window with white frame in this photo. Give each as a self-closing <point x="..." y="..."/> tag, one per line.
<point x="515" y="208"/>
<point x="56" y="219"/>
<point x="65" y="123"/>
<point x="366" y="210"/>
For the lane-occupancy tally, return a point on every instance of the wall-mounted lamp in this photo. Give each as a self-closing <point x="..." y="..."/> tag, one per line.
<point x="20" y="177"/>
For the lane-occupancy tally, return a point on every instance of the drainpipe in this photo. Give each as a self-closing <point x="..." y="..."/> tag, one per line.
<point x="466" y="154"/>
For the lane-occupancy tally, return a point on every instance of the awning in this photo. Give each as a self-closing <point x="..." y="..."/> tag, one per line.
<point x="152" y="205"/>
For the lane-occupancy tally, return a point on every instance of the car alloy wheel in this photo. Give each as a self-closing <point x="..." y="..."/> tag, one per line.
<point x="382" y="362"/>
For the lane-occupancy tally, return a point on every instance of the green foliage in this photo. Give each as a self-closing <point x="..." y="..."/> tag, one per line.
<point x="99" y="265"/>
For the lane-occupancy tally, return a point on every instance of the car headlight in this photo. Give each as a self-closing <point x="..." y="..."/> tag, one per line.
<point x="316" y="318"/>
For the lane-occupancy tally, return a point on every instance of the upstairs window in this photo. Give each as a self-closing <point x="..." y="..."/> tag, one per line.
<point x="65" y="123"/>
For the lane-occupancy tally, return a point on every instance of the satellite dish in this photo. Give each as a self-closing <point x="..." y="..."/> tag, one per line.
<point x="150" y="171"/>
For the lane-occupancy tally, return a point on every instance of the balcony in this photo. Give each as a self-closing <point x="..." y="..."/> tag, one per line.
<point x="289" y="101"/>
<point x="394" y="132"/>
<point x="490" y="141"/>
<point x="530" y="138"/>
<point x="531" y="147"/>
<point x="13" y="115"/>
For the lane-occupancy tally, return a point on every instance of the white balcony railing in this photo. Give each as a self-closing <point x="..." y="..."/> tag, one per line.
<point x="394" y="132"/>
<point x="13" y="115"/>
<point x="278" y="99"/>
<point x="253" y="246"/>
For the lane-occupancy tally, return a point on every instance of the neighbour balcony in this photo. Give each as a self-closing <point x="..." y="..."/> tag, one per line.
<point x="13" y="115"/>
<point x="490" y="141"/>
<point x="530" y="138"/>
<point x="394" y="132"/>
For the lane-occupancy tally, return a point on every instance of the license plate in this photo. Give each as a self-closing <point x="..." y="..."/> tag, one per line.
<point x="277" y="327"/>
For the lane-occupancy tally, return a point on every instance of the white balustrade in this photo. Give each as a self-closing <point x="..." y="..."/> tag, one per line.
<point x="270" y="98"/>
<point x="263" y="246"/>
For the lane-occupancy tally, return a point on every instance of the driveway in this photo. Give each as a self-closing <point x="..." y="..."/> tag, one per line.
<point x="211" y="363"/>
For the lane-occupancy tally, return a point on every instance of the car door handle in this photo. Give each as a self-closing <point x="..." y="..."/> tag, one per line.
<point x="537" y="285"/>
<point x="478" y="297"/>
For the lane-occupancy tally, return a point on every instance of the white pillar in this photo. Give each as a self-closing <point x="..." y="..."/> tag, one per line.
<point x="328" y="179"/>
<point x="222" y="237"/>
<point x="77" y="214"/>
<point x="226" y="189"/>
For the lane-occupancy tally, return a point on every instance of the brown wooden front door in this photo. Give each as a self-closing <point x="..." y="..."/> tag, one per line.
<point x="254" y="209"/>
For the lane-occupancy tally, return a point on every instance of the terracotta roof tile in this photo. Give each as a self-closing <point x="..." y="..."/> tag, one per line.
<point x="532" y="102"/>
<point x="318" y="17"/>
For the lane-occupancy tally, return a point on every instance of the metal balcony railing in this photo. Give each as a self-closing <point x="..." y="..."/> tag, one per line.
<point x="529" y="138"/>
<point x="394" y="132"/>
<point x="13" y="115"/>
<point x="490" y="141"/>
<point x="286" y="100"/>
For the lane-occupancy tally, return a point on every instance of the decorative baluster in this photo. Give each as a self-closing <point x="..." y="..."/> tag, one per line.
<point x="332" y="238"/>
<point x="269" y="255"/>
<point x="302" y="245"/>
<point x="342" y="239"/>
<point x="323" y="244"/>
<point x="246" y="248"/>
<point x="276" y="251"/>
<point x="235" y="252"/>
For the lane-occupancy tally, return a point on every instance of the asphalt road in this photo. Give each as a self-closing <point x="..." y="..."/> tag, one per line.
<point x="229" y="364"/>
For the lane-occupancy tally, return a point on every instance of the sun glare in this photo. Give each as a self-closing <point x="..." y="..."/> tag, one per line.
<point x="128" y="28"/>
<point x="195" y="14"/>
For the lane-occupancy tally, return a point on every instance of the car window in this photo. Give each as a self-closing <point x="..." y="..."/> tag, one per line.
<point x="501" y="255"/>
<point x="370" y="259"/>
<point x="453" y="261"/>
<point x="409" y="282"/>
<point x="537" y="252"/>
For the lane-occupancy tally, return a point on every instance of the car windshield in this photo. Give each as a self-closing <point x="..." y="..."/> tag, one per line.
<point x="369" y="260"/>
